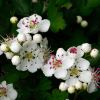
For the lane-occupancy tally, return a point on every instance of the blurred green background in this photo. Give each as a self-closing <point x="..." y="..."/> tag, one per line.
<point x="64" y="32"/>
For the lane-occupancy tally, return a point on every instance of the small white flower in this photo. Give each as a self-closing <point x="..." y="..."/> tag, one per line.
<point x="86" y="47"/>
<point x="84" y="23"/>
<point x="79" y="19"/>
<point x="9" y="55"/>
<point x="63" y="86"/>
<point x="21" y="37"/>
<point x="7" y="92"/>
<point x="33" y="24"/>
<point x="15" y="47"/>
<point x="54" y="67"/>
<point x="37" y="38"/>
<point x="15" y="60"/>
<point x="71" y="89"/>
<point x="31" y="57"/>
<point x="94" y="53"/>
<point x="13" y="20"/>
<point x="4" y="47"/>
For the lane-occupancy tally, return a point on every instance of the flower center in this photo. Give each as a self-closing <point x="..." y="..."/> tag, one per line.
<point x="3" y="91"/>
<point x="74" y="72"/>
<point x="73" y="50"/>
<point x="29" y="56"/>
<point x="33" y="24"/>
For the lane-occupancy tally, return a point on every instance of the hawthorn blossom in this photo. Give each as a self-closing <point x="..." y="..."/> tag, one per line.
<point x="54" y="67"/>
<point x="32" y="56"/>
<point x="33" y="24"/>
<point x="7" y="92"/>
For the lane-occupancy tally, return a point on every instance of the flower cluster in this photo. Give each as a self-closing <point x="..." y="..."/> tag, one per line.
<point x="27" y="51"/>
<point x="7" y="92"/>
<point x="72" y="67"/>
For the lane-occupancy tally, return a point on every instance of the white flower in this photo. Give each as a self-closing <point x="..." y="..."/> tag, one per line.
<point x="79" y="72"/>
<point x="54" y="67"/>
<point x="86" y="47"/>
<point x="84" y="23"/>
<point x="94" y="53"/>
<point x="7" y="92"/>
<point x="37" y="38"/>
<point x="33" y="24"/>
<point x="63" y="86"/>
<point x="31" y="57"/>
<point x="13" y="19"/>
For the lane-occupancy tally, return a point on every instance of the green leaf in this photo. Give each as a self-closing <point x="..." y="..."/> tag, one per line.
<point x="22" y="7"/>
<point x="58" y="95"/>
<point x="56" y="18"/>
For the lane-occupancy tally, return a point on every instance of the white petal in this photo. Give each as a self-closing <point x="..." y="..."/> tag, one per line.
<point x="36" y="17"/>
<point x="28" y="37"/>
<point x="85" y="76"/>
<point x="34" y="30"/>
<point x="5" y="98"/>
<point x="47" y="70"/>
<point x="4" y="84"/>
<point x="1" y="52"/>
<point x="60" y="73"/>
<point x="23" y="30"/>
<point x="80" y="52"/>
<point x="91" y="88"/>
<point x="82" y="64"/>
<point x="44" y="43"/>
<point x="12" y="94"/>
<point x="71" y="81"/>
<point x="44" y="25"/>
<point x="60" y="54"/>
<point x="67" y="62"/>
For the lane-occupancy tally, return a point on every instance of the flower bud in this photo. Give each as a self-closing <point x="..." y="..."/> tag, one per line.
<point x="4" y="47"/>
<point x="79" y="19"/>
<point x="94" y="53"/>
<point x="71" y="89"/>
<point x="84" y="23"/>
<point x="86" y="47"/>
<point x="78" y="85"/>
<point x="37" y="38"/>
<point x="9" y="55"/>
<point x="21" y="37"/>
<point x="15" y="60"/>
<point x="15" y="47"/>
<point x="63" y="86"/>
<point x="13" y="20"/>
<point x="84" y="86"/>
